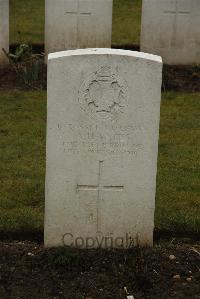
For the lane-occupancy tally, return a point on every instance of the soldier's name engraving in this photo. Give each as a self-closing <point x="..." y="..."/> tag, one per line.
<point x="112" y="128"/>
<point x="109" y="139"/>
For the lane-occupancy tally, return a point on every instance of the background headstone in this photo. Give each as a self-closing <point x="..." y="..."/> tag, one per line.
<point x="170" y="28"/>
<point x="4" y="30"/>
<point x="73" y="24"/>
<point x="102" y="140"/>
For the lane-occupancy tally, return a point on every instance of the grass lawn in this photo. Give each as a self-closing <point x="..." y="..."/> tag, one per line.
<point x="22" y="164"/>
<point x="27" y="21"/>
<point x="22" y="145"/>
<point x="126" y="22"/>
<point x="178" y="180"/>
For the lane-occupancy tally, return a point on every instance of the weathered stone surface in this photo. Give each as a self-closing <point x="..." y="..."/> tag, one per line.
<point x="73" y="24"/>
<point x="4" y="30"/>
<point x="102" y="140"/>
<point x="170" y="28"/>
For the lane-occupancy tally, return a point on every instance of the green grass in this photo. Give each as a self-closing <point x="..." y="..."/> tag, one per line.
<point x="178" y="181"/>
<point x="126" y="22"/>
<point x="22" y="123"/>
<point x="22" y="163"/>
<point x="27" y="21"/>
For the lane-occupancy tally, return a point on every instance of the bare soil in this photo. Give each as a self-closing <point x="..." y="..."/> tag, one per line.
<point x="27" y="270"/>
<point x="10" y="80"/>
<point x="178" y="78"/>
<point x="181" y="78"/>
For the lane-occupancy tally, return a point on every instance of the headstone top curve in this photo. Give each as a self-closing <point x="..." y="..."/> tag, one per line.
<point x="104" y="51"/>
<point x="103" y="116"/>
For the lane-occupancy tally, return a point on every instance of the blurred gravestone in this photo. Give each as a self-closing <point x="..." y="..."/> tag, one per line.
<point x="171" y="29"/>
<point x="72" y="24"/>
<point x="4" y="30"/>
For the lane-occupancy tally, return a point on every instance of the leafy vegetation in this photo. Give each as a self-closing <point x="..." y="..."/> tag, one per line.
<point x="27" y="66"/>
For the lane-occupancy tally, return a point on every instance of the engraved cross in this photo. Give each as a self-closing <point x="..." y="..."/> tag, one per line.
<point x="78" y="13"/>
<point x="100" y="188"/>
<point x="176" y="13"/>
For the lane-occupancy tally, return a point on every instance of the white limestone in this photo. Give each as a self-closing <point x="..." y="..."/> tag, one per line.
<point x="102" y="140"/>
<point x="72" y="24"/>
<point x="171" y="28"/>
<point x="4" y="30"/>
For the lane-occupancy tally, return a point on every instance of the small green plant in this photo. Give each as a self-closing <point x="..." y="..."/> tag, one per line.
<point x="22" y="53"/>
<point x="196" y="68"/>
<point x="27" y="65"/>
<point x="196" y="72"/>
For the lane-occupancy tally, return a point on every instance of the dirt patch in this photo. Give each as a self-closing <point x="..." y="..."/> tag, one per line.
<point x="181" y="78"/>
<point x="178" y="78"/>
<point x="27" y="270"/>
<point x="9" y="79"/>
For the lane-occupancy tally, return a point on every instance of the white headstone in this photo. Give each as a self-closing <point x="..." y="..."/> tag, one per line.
<point x="102" y="140"/>
<point x="170" y="28"/>
<point x="73" y="24"/>
<point x="4" y="30"/>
